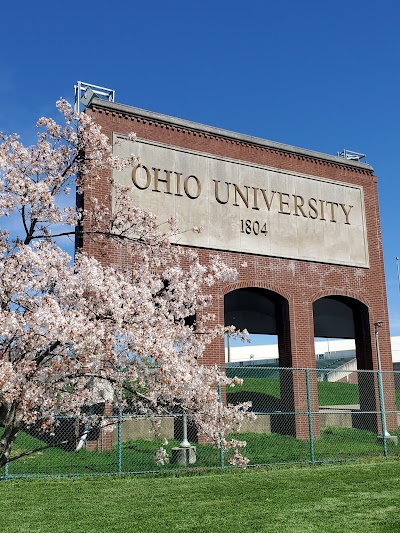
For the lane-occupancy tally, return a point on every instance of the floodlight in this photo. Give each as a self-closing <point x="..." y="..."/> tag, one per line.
<point x="87" y="97"/>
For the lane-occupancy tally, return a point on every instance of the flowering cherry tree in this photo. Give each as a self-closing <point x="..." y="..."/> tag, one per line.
<point x="75" y="332"/>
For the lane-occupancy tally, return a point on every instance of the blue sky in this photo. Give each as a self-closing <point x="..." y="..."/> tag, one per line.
<point x="314" y="74"/>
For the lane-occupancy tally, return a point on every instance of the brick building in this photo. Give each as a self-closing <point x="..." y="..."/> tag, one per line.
<point x="302" y="229"/>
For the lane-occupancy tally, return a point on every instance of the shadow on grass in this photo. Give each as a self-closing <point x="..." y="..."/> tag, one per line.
<point x="260" y="403"/>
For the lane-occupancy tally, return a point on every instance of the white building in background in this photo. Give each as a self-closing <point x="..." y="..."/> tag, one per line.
<point x="324" y="349"/>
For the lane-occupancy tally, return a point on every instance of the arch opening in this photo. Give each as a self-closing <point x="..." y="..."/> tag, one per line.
<point x="264" y="314"/>
<point x="344" y="355"/>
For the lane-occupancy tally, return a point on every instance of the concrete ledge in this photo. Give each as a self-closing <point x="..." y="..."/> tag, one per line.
<point x="389" y="438"/>
<point x="340" y="420"/>
<point x="143" y="428"/>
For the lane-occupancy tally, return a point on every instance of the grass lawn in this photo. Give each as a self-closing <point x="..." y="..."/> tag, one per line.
<point x="333" y="393"/>
<point x="262" y="449"/>
<point x="335" y="444"/>
<point x="353" y="497"/>
<point x="263" y="390"/>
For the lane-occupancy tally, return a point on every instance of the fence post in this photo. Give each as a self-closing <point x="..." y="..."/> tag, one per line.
<point x="383" y="414"/>
<point x="310" y="423"/>
<point x="221" y="451"/>
<point x="377" y="325"/>
<point x="119" y="441"/>
<point x="5" y="476"/>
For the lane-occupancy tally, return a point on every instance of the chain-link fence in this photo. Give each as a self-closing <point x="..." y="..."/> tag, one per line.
<point x="303" y="416"/>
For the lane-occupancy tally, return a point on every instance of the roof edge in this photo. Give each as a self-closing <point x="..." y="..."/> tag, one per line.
<point x="122" y="108"/>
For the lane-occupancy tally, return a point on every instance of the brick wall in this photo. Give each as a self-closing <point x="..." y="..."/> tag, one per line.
<point x="300" y="282"/>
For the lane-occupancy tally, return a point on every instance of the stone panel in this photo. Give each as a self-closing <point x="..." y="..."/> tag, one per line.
<point x="236" y="206"/>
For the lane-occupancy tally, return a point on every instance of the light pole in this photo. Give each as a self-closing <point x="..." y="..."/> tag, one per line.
<point x="378" y="325"/>
<point x="385" y="433"/>
<point x="185" y="443"/>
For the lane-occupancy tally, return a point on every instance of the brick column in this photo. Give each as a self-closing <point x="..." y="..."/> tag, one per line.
<point x="303" y="356"/>
<point x="103" y="442"/>
<point x="296" y="351"/>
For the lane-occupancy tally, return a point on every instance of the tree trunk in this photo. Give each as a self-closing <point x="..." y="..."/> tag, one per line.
<point x="12" y="423"/>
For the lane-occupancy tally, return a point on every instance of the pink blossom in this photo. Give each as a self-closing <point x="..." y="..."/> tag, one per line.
<point x="76" y="333"/>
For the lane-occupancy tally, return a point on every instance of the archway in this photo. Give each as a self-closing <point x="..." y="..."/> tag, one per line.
<point x="261" y="312"/>
<point x="342" y="317"/>
<point x="264" y="312"/>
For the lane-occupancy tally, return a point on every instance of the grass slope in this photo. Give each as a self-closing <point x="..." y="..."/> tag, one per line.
<point x="263" y="390"/>
<point x="356" y="497"/>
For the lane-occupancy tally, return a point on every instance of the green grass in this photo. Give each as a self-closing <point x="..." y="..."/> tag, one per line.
<point x="262" y="385"/>
<point x="269" y="448"/>
<point x="263" y="391"/>
<point x="335" y="444"/>
<point x="329" y="393"/>
<point x="337" y="393"/>
<point x="137" y="456"/>
<point x="355" y="497"/>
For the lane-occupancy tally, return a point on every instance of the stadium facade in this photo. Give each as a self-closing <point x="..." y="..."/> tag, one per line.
<point x="302" y="229"/>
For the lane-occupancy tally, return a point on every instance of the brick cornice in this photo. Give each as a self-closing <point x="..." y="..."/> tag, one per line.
<point x="117" y="112"/>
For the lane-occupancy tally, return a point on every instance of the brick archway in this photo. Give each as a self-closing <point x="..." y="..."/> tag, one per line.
<point x="262" y="311"/>
<point x="339" y="316"/>
<point x="343" y="316"/>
